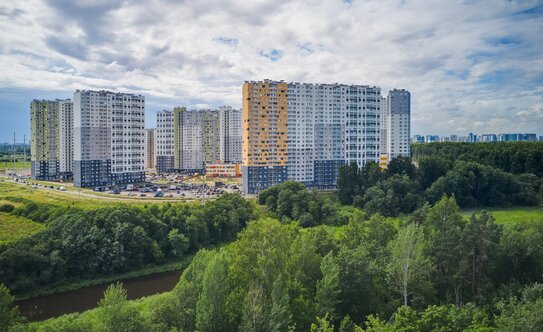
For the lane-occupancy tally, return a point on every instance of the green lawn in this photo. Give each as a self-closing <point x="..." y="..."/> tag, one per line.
<point x="9" y="165"/>
<point x="10" y="190"/>
<point x="13" y="227"/>
<point x="513" y="215"/>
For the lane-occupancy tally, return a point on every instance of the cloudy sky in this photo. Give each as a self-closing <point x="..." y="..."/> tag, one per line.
<point x="470" y="65"/>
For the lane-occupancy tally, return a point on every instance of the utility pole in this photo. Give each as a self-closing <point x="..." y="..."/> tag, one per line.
<point x="24" y="154"/>
<point x="203" y="190"/>
<point x="13" y="150"/>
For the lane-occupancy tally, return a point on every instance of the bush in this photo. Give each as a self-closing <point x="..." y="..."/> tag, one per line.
<point x="6" y="208"/>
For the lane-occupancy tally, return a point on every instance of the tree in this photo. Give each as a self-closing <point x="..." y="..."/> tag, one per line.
<point x="401" y="166"/>
<point x="210" y="308"/>
<point x="444" y="232"/>
<point x="409" y="268"/>
<point x="117" y="313"/>
<point x="9" y="314"/>
<point x="254" y="317"/>
<point x="480" y="238"/>
<point x="347" y="183"/>
<point x="525" y="314"/>
<point x="360" y="281"/>
<point x="280" y="315"/>
<point x="323" y="324"/>
<point x="390" y="197"/>
<point x="346" y="325"/>
<point x="178" y="242"/>
<point x="432" y="168"/>
<point x="328" y="292"/>
<point x="528" y="189"/>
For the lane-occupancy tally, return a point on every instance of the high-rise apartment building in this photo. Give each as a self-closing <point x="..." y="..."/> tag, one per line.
<point x="398" y="123"/>
<point x="109" y="138"/>
<point x="51" y="142"/>
<point x="164" y="143"/>
<point x="210" y="136"/>
<point x="305" y="132"/>
<point x="229" y="135"/>
<point x="150" y="143"/>
<point x="196" y="139"/>
<point x="383" y="117"/>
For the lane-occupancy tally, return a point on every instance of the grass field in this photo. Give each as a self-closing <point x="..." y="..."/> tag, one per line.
<point x="513" y="215"/>
<point x="80" y="198"/>
<point x="13" y="228"/>
<point x="4" y="164"/>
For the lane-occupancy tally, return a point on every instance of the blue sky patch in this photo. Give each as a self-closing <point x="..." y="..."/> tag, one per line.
<point x="227" y="41"/>
<point x="273" y="54"/>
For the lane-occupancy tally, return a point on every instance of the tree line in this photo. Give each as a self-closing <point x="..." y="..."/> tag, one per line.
<point x="79" y="245"/>
<point x="405" y="186"/>
<point x="510" y="157"/>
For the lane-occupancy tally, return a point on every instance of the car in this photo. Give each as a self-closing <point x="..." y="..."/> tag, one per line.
<point x="143" y="195"/>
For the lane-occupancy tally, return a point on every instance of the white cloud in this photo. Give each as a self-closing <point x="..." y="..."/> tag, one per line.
<point x="465" y="63"/>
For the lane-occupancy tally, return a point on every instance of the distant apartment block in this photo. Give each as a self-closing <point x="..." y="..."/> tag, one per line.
<point x="229" y="135"/>
<point x="51" y="141"/>
<point x="109" y="138"/>
<point x="305" y="132"/>
<point x="164" y="141"/>
<point x="517" y="137"/>
<point x="417" y="139"/>
<point x="473" y="138"/>
<point x="150" y="143"/>
<point x="488" y="138"/>
<point x="432" y="138"/>
<point x="398" y="123"/>
<point x="196" y="139"/>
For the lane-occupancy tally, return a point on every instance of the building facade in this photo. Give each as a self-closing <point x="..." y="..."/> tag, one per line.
<point x="109" y="138"/>
<point x="51" y="141"/>
<point x="150" y="143"/>
<point x="383" y="127"/>
<point x="398" y="123"/>
<point x="164" y="142"/>
<point x="305" y="132"/>
<point x="196" y="139"/>
<point x="229" y="135"/>
<point x="223" y="170"/>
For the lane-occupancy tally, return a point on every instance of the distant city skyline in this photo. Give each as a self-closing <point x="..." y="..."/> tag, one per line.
<point x="468" y="65"/>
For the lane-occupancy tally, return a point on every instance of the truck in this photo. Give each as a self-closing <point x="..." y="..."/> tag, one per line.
<point x="129" y="187"/>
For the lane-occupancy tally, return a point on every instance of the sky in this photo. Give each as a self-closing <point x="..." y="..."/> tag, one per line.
<point x="471" y="66"/>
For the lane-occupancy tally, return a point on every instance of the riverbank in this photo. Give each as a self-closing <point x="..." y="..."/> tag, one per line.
<point x="71" y="285"/>
<point x="87" y="298"/>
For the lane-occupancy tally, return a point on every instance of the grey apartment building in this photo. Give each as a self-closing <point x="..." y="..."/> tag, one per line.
<point x="109" y="138"/>
<point x="51" y="139"/>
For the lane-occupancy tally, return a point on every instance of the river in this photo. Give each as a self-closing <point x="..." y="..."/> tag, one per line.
<point x="54" y="305"/>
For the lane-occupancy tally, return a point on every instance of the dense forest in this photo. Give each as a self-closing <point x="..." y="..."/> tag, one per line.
<point x="406" y="185"/>
<point x="307" y="261"/>
<point x="85" y="244"/>
<point x="510" y="157"/>
<point x="436" y="270"/>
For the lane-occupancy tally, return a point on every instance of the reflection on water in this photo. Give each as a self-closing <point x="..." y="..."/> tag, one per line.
<point x="48" y="306"/>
